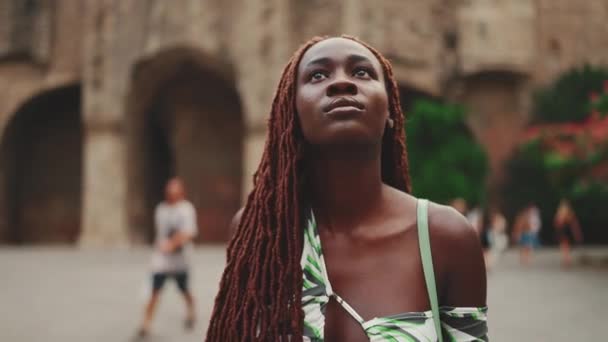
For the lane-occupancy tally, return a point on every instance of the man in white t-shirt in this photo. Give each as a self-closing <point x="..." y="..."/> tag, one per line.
<point x="175" y="221"/>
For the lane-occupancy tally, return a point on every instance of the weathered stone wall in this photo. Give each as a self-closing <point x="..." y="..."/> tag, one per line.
<point x="25" y="29"/>
<point x="40" y="49"/>
<point x="488" y="54"/>
<point x="408" y="32"/>
<point x="507" y="48"/>
<point x="569" y="33"/>
<point x="496" y="35"/>
<point x="122" y="34"/>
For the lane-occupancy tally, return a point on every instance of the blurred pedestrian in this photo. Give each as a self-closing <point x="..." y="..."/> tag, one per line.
<point x="567" y="230"/>
<point x="526" y="230"/>
<point x="476" y="218"/>
<point x="497" y="236"/>
<point x="175" y="221"/>
<point x="460" y="204"/>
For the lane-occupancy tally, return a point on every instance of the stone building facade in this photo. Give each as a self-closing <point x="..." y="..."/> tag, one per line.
<point x="102" y="100"/>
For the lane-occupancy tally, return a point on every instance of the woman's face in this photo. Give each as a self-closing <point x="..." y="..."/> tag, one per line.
<point x="341" y="96"/>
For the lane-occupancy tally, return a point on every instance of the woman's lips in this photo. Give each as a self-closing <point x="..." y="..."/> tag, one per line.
<point x="344" y="106"/>
<point x="344" y="111"/>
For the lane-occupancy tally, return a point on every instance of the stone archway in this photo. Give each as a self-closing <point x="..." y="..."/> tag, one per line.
<point x="496" y="114"/>
<point x="41" y="170"/>
<point x="185" y="120"/>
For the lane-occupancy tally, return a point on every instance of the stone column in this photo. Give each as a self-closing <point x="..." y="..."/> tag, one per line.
<point x="261" y="30"/>
<point x="104" y="217"/>
<point x="104" y="188"/>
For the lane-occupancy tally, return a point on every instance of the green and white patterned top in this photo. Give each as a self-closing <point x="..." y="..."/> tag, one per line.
<point x="458" y="324"/>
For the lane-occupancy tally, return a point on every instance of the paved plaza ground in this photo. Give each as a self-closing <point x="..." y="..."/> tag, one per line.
<point x="71" y="295"/>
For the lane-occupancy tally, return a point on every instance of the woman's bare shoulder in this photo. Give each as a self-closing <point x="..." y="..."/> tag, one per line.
<point x="448" y="225"/>
<point x="458" y="257"/>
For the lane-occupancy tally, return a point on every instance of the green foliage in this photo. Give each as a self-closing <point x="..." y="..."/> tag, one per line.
<point x="568" y="98"/>
<point x="540" y="172"/>
<point x="529" y="179"/>
<point x="445" y="161"/>
<point x="545" y="177"/>
<point x="601" y="104"/>
<point x="589" y="202"/>
<point x="528" y="182"/>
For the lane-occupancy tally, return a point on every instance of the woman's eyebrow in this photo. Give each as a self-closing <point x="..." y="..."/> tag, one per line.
<point x="319" y="61"/>
<point x="358" y="58"/>
<point x="324" y="61"/>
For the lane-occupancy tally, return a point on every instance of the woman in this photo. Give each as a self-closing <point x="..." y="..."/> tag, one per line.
<point x="327" y="246"/>
<point x="567" y="229"/>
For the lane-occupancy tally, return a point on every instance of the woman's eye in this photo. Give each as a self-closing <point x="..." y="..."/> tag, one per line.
<point x="318" y="76"/>
<point x="362" y="73"/>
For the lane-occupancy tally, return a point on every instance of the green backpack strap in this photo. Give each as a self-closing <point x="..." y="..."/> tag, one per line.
<point x="424" y="243"/>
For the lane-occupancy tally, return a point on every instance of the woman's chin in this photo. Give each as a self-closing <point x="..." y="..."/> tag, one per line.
<point x="349" y="139"/>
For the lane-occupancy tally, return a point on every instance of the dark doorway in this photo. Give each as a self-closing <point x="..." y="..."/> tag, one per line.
<point x="41" y="170"/>
<point x="190" y="126"/>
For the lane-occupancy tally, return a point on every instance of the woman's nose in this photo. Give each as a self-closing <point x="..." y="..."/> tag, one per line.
<point x="342" y="86"/>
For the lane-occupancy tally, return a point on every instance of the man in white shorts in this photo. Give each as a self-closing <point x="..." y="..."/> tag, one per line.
<point x="175" y="221"/>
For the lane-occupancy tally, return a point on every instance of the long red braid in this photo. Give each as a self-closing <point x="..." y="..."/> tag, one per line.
<point x="261" y="288"/>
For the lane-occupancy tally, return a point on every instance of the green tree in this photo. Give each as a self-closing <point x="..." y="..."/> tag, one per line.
<point x="445" y="160"/>
<point x="567" y="99"/>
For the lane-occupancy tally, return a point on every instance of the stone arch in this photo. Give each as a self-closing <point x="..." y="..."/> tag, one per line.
<point x="497" y="111"/>
<point x="184" y="119"/>
<point x="492" y="90"/>
<point x="41" y="169"/>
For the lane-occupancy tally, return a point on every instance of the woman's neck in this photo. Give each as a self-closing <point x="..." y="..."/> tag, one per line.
<point x="346" y="188"/>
